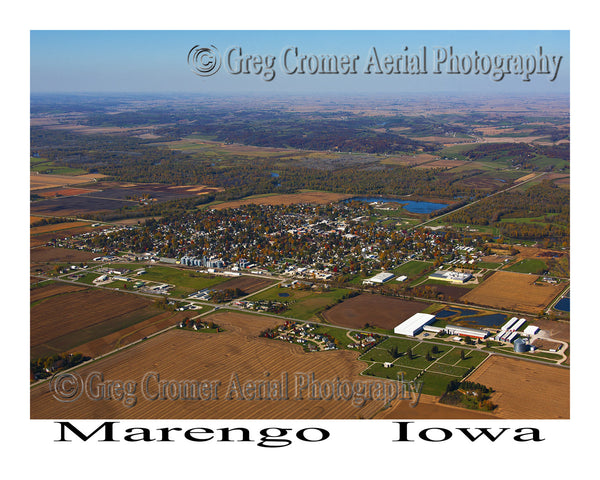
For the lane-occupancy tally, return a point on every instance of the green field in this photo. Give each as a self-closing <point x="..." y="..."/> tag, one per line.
<point x="42" y="165"/>
<point x="186" y="281"/>
<point x="302" y="304"/>
<point x="528" y="265"/>
<point x="412" y="268"/>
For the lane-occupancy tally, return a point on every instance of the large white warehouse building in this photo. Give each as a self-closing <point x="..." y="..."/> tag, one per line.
<point x="413" y="325"/>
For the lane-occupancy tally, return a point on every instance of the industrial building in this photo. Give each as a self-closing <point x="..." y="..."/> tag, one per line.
<point x="466" y="331"/>
<point x="531" y="330"/>
<point x="379" y="278"/>
<point x="450" y="276"/>
<point x="202" y="262"/>
<point x="508" y="324"/>
<point x="413" y="325"/>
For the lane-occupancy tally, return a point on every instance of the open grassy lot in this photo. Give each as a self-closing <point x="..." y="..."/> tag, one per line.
<point x="302" y="304"/>
<point x="528" y="265"/>
<point x="412" y="268"/>
<point x="186" y="281"/>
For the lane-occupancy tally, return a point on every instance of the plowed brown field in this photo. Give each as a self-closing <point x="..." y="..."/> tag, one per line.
<point x="513" y="291"/>
<point x="180" y="355"/>
<point x="525" y="389"/>
<point x="385" y="312"/>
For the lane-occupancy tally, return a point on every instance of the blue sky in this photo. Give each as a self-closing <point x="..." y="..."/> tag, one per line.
<point x="156" y="61"/>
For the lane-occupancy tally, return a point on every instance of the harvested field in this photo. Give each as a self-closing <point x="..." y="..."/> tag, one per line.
<point x="450" y="292"/>
<point x="246" y="284"/>
<point x="157" y="191"/>
<point x="319" y="198"/>
<point x="52" y="290"/>
<point x="67" y="206"/>
<point x="57" y="226"/>
<point x="180" y="355"/>
<point x="51" y="254"/>
<point x="385" y="312"/>
<point x="444" y="164"/>
<point x="63" y="321"/>
<point x="38" y="181"/>
<point x="131" y="334"/>
<point x="33" y="219"/>
<point x="63" y="192"/>
<point x="525" y="178"/>
<point x="417" y="159"/>
<point x="513" y="291"/>
<point x="525" y="389"/>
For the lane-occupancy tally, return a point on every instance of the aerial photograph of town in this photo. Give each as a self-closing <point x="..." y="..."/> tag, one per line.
<point x="300" y="225"/>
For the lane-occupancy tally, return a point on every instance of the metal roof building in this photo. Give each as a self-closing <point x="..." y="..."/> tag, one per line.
<point x="379" y="278"/>
<point x="413" y="325"/>
<point x="531" y="330"/>
<point x="466" y="331"/>
<point x="509" y="324"/>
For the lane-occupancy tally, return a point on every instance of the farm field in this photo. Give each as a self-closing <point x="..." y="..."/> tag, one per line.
<point x="180" y="355"/>
<point x="56" y="227"/>
<point x="77" y="205"/>
<point x="62" y="320"/>
<point x="385" y="312"/>
<point x="314" y="197"/>
<point x="303" y="304"/>
<point x="39" y="181"/>
<point x="128" y="335"/>
<point x="524" y="389"/>
<point x="62" y="192"/>
<point x="52" y="254"/>
<point x="513" y="291"/>
<point x="139" y="191"/>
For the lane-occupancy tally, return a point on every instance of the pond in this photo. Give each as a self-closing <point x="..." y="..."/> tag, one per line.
<point x="409" y="205"/>
<point x="492" y="320"/>
<point x="563" y="305"/>
<point x="458" y="311"/>
<point x="284" y="294"/>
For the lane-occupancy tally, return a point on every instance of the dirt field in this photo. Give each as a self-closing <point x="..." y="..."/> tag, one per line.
<point x="513" y="291"/>
<point x="62" y="192"/>
<point x="38" y="181"/>
<point x="131" y="334"/>
<point x="246" y="284"/>
<point x="417" y="159"/>
<point x="525" y="178"/>
<point x="525" y="389"/>
<point x="319" y="198"/>
<point x="385" y="312"/>
<point x="557" y="329"/>
<point x="51" y="254"/>
<point x="57" y="226"/>
<point x="52" y="290"/>
<point x="63" y="321"/>
<point x="179" y="355"/>
<point x="444" y="164"/>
